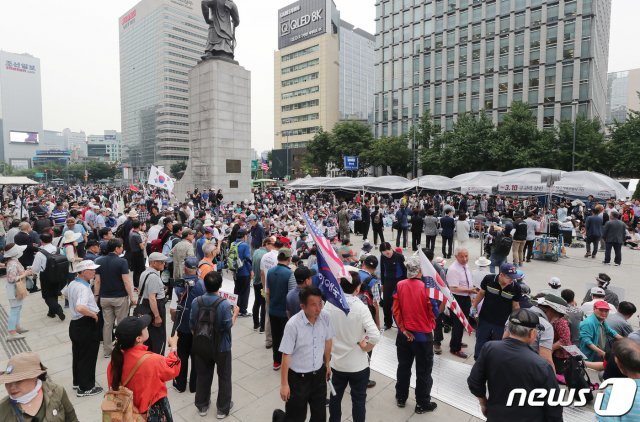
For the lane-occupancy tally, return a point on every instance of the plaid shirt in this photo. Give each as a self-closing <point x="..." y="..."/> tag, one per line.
<point x="143" y="216"/>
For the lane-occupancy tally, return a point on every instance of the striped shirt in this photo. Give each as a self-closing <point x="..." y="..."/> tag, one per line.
<point x="59" y="216"/>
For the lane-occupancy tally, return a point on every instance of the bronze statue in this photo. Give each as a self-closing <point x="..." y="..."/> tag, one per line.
<point x="222" y="17"/>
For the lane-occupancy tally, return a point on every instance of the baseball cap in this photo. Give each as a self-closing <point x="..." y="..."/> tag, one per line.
<point x="284" y="253"/>
<point x="413" y="266"/>
<point x="525" y="318"/>
<point x="157" y="256"/>
<point x="242" y="233"/>
<point x="131" y="327"/>
<point x="191" y="262"/>
<point x="509" y="270"/>
<point x="601" y="304"/>
<point x="371" y="261"/>
<point x="597" y="291"/>
<point x="252" y="217"/>
<point x="186" y="232"/>
<point x="86" y="265"/>
<point x="555" y="282"/>
<point x="555" y="302"/>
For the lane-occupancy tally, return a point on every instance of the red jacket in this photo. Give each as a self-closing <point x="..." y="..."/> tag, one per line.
<point x="149" y="382"/>
<point x="412" y="307"/>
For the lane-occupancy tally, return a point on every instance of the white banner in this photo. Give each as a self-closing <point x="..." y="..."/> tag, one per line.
<point x="581" y="191"/>
<point x="232" y="298"/>
<point x="160" y="179"/>
<point x="523" y="188"/>
<point x="476" y="190"/>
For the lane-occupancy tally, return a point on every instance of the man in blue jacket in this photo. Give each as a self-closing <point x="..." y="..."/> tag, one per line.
<point x="594" y="225"/>
<point x="243" y="274"/>
<point x="402" y="220"/>
<point x="594" y="332"/>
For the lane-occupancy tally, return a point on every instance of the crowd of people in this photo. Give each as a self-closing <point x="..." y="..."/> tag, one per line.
<point x="111" y="252"/>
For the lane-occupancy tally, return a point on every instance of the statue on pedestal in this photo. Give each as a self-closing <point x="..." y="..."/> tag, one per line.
<point x="223" y="18"/>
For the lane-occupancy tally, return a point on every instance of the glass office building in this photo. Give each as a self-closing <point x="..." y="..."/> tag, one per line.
<point x="357" y="78"/>
<point x="160" y="42"/>
<point x="622" y="94"/>
<point x="449" y="57"/>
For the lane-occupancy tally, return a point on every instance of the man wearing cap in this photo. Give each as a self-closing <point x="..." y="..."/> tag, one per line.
<point x="552" y="309"/>
<point x="603" y="281"/>
<point x="505" y="365"/>
<point x="555" y="284"/>
<point x="460" y="282"/>
<point x="83" y="330"/>
<point x="206" y="238"/>
<point x="152" y="294"/>
<point x="136" y="249"/>
<point x="114" y="289"/>
<point x="242" y="276"/>
<point x="597" y="295"/>
<point x="181" y="251"/>
<point x="277" y="287"/>
<point x="257" y="232"/>
<point x="501" y="296"/>
<point x="303" y="279"/>
<point x="594" y="332"/>
<point x="370" y="285"/>
<point x="414" y="314"/>
<point x="59" y="215"/>
<point x="74" y="226"/>
<point x="93" y="250"/>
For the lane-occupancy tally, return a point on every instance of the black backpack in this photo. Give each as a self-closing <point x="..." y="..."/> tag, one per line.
<point x="503" y="244"/>
<point x="56" y="270"/>
<point x="206" y="336"/>
<point x="576" y="376"/>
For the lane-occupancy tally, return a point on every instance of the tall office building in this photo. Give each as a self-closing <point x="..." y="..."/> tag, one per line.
<point x="448" y="57"/>
<point x="323" y="72"/>
<point x="160" y="41"/>
<point x="20" y="108"/>
<point x="622" y="94"/>
<point x="106" y="147"/>
<point x="76" y="143"/>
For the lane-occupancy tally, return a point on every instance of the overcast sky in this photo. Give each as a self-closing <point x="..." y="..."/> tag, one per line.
<point x="77" y="43"/>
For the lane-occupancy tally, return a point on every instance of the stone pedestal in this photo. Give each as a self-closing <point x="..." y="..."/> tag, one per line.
<point x="220" y="130"/>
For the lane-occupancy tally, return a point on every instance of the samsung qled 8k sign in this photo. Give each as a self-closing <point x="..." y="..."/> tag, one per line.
<point x="302" y="20"/>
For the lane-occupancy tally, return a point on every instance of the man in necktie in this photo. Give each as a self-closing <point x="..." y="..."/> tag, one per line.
<point x="460" y="282"/>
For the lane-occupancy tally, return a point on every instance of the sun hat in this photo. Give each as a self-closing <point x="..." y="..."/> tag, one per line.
<point x="482" y="262"/>
<point x="554" y="302"/>
<point x="131" y="327"/>
<point x="22" y="366"/>
<point x="86" y="265"/>
<point x="16" y="250"/>
<point x="71" y="236"/>
<point x="367" y="246"/>
<point x="555" y="282"/>
<point x="133" y="214"/>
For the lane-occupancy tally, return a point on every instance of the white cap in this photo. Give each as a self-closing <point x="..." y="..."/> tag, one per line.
<point x="86" y="265"/>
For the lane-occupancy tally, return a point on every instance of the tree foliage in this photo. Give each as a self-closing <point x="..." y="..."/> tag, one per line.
<point x="393" y="152"/>
<point x="178" y="169"/>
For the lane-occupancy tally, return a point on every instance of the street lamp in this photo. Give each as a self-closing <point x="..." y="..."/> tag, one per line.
<point x="575" y="118"/>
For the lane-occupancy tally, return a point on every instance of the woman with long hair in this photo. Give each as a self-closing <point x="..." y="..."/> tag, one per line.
<point x="143" y="372"/>
<point x="15" y="274"/>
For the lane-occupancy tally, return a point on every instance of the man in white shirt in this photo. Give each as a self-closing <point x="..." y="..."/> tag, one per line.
<point x="460" y="282"/>
<point x="532" y="227"/>
<point x="356" y="335"/>
<point x="597" y="294"/>
<point x="50" y="289"/>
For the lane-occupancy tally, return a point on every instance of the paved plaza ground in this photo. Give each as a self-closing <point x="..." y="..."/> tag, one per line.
<point x="256" y="385"/>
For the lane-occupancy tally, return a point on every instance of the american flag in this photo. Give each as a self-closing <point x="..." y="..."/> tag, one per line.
<point x="264" y="166"/>
<point x="330" y="268"/>
<point x="449" y="300"/>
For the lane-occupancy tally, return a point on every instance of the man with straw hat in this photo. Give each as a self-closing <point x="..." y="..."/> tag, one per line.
<point x="31" y="395"/>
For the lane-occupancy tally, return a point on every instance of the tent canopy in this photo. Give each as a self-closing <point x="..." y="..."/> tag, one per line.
<point x="520" y="182"/>
<point x="16" y="180"/>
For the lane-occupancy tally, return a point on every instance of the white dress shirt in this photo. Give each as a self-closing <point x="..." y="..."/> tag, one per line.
<point x="40" y="261"/>
<point x="459" y="276"/>
<point x="346" y="355"/>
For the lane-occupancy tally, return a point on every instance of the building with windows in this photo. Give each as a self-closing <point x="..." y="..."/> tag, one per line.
<point x="53" y="140"/>
<point x="20" y="108"/>
<point x="106" y="147"/>
<point x="160" y="42"/>
<point x="76" y="142"/>
<point x="622" y="94"/>
<point x="323" y="73"/>
<point x="449" y="57"/>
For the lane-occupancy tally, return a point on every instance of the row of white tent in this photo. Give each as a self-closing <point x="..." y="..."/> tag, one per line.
<point x="530" y="181"/>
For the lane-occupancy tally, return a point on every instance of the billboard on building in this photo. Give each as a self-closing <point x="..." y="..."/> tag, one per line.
<point x="24" y="137"/>
<point x="303" y="20"/>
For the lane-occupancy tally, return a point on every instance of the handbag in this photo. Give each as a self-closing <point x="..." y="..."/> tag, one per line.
<point x="117" y="406"/>
<point x="142" y="307"/>
<point x="21" y="289"/>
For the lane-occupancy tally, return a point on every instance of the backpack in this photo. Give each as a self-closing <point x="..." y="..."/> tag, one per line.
<point x="366" y="296"/>
<point x="206" y="336"/>
<point x="119" y="231"/>
<point x="576" y="376"/>
<point x="377" y="219"/>
<point x="233" y="261"/>
<point x="56" y="270"/>
<point x="156" y="245"/>
<point x="200" y="265"/>
<point x="117" y="406"/>
<point x="503" y="246"/>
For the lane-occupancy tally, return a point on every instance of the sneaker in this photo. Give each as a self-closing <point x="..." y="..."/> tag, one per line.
<point x="437" y="348"/>
<point x="268" y="346"/>
<point x="616" y="265"/>
<point x="222" y="415"/>
<point x="255" y="327"/>
<point x="202" y="411"/>
<point x="424" y="409"/>
<point x="371" y="384"/>
<point x="261" y="331"/>
<point x="15" y="337"/>
<point x="276" y="366"/>
<point x="245" y="314"/>
<point x="401" y="403"/>
<point x="93" y="392"/>
<point x="75" y="387"/>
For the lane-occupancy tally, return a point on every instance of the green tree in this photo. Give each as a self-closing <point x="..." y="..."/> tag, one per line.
<point x="517" y="135"/>
<point x="350" y="138"/>
<point x="177" y="169"/>
<point x="591" y="149"/>
<point x="624" y="147"/>
<point x="393" y="152"/>
<point x="318" y="154"/>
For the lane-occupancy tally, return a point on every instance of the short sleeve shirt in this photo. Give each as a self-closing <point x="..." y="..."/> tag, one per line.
<point x="498" y="302"/>
<point x="305" y="342"/>
<point x="134" y="241"/>
<point x="111" y="270"/>
<point x="153" y="284"/>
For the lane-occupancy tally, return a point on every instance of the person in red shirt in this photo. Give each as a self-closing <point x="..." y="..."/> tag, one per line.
<point x="148" y="383"/>
<point x="412" y="310"/>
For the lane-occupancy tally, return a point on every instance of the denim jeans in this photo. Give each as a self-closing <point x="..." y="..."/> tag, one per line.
<point x="357" y="382"/>
<point x="14" y="314"/>
<point x="422" y="353"/>
<point x="496" y="261"/>
<point x="485" y="332"/>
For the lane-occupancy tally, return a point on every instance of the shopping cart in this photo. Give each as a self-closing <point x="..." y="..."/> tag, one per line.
<point x="547" y="248"/>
